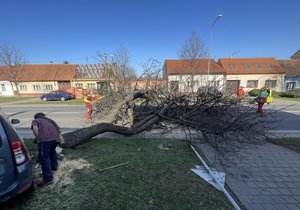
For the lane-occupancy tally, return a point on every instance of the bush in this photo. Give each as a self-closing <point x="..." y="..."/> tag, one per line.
<point x="295" y="93"/>
<point x="275" y="93"/>
<point x="253" y="92"/>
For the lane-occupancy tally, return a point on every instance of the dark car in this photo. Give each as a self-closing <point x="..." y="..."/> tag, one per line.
<point x="58" y="95"/>
<point x="15" y="165"/>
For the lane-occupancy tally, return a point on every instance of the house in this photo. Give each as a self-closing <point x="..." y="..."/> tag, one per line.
<point x="292" y="69"/>
<point x="191" y="74"/>
<point x="6" y="88"/>
<point x="36" y="79"/>
<point x="252" y="73"/>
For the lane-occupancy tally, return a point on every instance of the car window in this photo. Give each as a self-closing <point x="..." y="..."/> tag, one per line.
<point x="0" y="141"/>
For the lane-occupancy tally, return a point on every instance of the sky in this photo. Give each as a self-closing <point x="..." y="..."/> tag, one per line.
<point x="76" y="30"/>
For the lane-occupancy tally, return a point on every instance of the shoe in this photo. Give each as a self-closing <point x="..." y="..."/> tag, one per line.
<point x="44" y="183"/>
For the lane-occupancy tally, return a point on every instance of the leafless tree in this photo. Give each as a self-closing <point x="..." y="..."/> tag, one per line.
<point x="11" y="60"/>
<point x="291" y="67"/>
<point x="192" y="50"/>
<point x="117" y="68"/>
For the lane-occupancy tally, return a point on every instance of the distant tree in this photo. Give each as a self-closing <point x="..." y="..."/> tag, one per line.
<point x="192" y="50"/>
<point x="291" y="67"/>
<point x="117" y="67"/>
<point x="11" y="61"/>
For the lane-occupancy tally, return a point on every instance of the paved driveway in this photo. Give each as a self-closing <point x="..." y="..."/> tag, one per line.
<point x="267" y="177"/>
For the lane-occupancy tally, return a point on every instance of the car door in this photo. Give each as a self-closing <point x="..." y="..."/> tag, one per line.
<point x="7" y="166"/>
<point x="52" y="95"/>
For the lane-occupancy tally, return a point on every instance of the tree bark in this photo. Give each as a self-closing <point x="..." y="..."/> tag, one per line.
<point x="79" y="136"/>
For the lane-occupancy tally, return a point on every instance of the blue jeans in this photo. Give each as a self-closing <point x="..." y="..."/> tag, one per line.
<point x="48" y="159"/>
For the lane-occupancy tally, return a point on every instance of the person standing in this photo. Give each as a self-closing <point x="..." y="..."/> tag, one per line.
<point x="240" y="94"/>
<point x="261" y="100"/>
<point x="88" y="99"/>
<point x="47" y="132"/>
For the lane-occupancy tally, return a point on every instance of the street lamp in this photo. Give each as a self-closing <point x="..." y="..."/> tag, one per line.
<point x="210" y="43"/>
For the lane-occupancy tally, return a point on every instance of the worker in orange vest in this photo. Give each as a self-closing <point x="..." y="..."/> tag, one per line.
<point x="240" y="94"/>
<point x="88" y="99"/>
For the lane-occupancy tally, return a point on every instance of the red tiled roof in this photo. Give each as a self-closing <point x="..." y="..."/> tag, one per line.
<point x="267" y="65"/>
<point x="186" y="67"/>
<point x="42" y="72"/>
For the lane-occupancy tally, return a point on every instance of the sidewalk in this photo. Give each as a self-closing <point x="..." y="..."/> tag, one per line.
<point x="267" y="177"/>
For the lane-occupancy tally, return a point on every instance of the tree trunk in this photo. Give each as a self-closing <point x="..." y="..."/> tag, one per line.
<point x="79" y="136"/>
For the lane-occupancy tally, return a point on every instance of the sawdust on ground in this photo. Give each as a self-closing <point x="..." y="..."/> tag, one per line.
<point x="64" y="174"/>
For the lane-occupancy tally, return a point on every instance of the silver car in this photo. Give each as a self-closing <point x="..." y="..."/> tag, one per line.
<point x="15" y="165"/>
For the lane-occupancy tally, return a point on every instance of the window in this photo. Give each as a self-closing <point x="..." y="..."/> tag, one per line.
<point x="23" y="87"/>
<point x="79" y="85"/>
<point x="270" y="83"/>
<point x="290" y="85"/>
<point x="257" y="66"/>
<point x="36" y="87"/>
<point x="270" y="66"/>
<point x="91" y="85"/>
<point x="49" y="87"/>
<point x="247" y="66"/>
<point x="3" y="88"/>
<point x="232" y="66"/>
<point x="252" y="83"/>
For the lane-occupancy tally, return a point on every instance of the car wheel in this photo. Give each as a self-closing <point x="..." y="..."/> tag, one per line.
<point x="32" y="187"/>
<point x="62" y="99"/>
<point x="44" y="99"/>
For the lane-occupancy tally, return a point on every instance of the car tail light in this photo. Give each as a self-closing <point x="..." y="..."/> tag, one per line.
<point x="19" y="153"/>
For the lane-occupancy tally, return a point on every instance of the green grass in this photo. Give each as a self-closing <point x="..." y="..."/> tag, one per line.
<point x="153" y="179"/>
<point x="286" y="98"/>
<point x="289" y="143"/>
<point x="4" y="99"/>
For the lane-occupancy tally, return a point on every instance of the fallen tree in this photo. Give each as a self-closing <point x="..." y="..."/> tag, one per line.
<point x="206" y="116"/>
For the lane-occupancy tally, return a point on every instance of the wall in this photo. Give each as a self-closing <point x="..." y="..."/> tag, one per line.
<point x="199" y="81"/>
<point x="295" y="79"/>
<point x="45" y="87"/>
<point x="6" y="89"/>
<point x="261" y="80"/>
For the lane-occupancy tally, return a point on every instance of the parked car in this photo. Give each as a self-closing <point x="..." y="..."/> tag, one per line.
<point x="58" y="95"/>
<point x="16" y="174"/>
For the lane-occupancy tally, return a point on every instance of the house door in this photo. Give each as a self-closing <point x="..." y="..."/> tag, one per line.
<point x="232" y="86"/>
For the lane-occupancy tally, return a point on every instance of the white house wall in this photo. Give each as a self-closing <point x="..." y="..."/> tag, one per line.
<point x="261" y="80"/>
<point x="6" y="89"/>
<point x="200" y="81"/>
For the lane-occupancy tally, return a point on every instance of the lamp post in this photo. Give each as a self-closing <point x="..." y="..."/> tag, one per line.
<point x="210" y="43"/>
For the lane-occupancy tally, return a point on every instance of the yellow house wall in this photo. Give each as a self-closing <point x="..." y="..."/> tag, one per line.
<point x="31" y="91"/>
<point x="84" y="83"/>
<point x="261" y="80"/>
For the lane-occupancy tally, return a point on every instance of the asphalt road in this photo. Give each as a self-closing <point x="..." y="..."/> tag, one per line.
<point x="67" y="117"/>
<point x="70" y="117"/>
